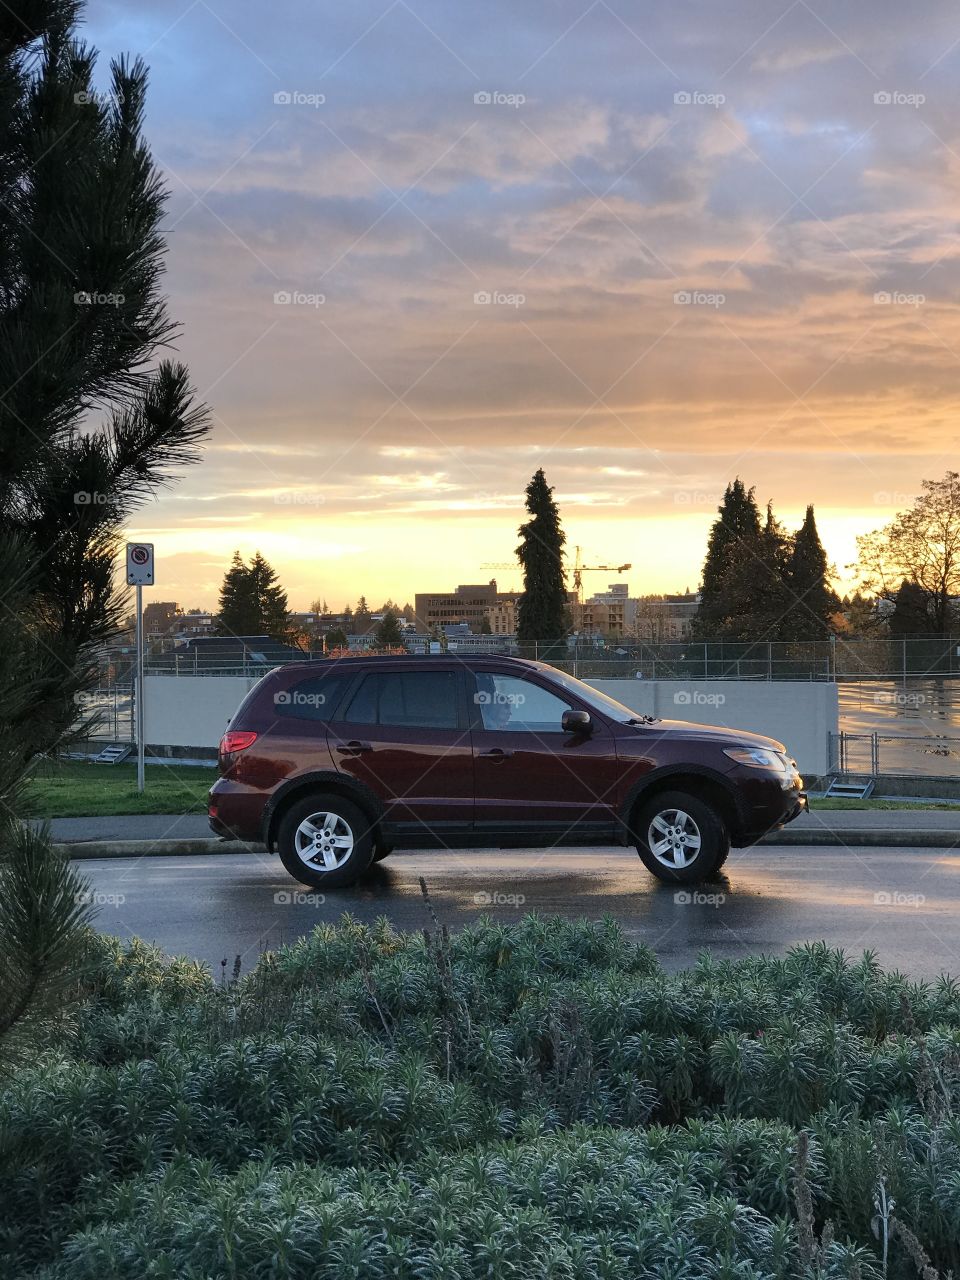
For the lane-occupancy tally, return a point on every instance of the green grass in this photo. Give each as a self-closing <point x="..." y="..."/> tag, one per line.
<point x="843" y="802"/>
<point x="78" y="789"/>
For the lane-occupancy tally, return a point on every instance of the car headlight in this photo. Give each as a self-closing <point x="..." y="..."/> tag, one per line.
<point x="757" y="758"/>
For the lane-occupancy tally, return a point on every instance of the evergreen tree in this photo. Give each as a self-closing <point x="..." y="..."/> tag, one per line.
<point x="271" y="600"/>
<point x="733" y="552"/>
<point x="82" y="320"/>
<point x="237" y="614"/>
<point x="388" y="633"/>
<point x="771" y="598"/>
<point x="336" y="638"/>
<point x="910" y="617"/>
<point x="814" y="600"/>
<point x="485" y="628"/>
<point x="252" y="602"/>
<point x="541" y="607"/>
<point x="362" y="621"/>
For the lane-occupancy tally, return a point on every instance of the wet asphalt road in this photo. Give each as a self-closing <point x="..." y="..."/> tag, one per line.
<point x="902" y="903"/>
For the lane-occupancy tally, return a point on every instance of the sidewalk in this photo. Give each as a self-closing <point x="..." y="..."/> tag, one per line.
<point x="154" y="834"/>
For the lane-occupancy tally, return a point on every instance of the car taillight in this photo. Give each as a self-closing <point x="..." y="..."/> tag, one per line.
<point x="235" y="740"/>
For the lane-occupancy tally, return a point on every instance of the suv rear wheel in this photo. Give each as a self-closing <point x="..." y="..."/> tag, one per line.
<point x="325" y="841"/>
<point x="681" y="838"/>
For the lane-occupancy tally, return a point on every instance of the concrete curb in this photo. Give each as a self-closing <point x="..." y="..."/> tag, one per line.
<point x="868" y="837"/>
<point x="864" y="838"/>
<point x="86" y="849"/>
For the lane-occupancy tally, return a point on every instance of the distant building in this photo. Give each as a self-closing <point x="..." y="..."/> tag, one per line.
<point x="665" y="619"/>
<point x="468" y="604"/>
<point x="610" y="614"/>
<point x="159" y="617"/>
<point x="502" y="616"/>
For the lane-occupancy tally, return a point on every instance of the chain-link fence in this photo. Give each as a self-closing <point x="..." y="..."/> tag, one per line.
<point x="833" y="659"/>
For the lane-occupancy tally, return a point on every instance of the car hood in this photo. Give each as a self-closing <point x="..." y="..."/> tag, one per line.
<point x="710" y="733"/>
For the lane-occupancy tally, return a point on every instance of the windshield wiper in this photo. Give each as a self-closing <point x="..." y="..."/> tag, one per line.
<point x="642" y="720"/>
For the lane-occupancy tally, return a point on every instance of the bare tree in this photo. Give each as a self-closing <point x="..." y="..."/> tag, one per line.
<point x="920" y="546"/>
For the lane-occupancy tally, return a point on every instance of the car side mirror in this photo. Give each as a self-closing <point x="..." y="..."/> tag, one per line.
<point x="576" y="722"/>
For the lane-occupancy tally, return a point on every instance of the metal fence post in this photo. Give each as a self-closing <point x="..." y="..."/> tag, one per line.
<point x="875" y="754"/>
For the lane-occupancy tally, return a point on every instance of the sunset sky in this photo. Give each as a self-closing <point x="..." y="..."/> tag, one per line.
<point x="804" y="198"/>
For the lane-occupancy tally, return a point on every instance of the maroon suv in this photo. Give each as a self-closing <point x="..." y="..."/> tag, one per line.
<point x="336" y="763"/>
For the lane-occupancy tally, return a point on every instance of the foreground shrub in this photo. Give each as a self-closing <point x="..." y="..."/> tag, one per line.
<point x="539" y="1099"/>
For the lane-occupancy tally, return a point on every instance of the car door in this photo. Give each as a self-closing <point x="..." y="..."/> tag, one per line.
<point x="533" y="782"/>
<point x="406" y="736"/>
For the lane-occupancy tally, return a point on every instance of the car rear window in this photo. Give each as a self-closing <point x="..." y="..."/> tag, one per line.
<point x="407" y="699"/>
<point x="314" y="698"/>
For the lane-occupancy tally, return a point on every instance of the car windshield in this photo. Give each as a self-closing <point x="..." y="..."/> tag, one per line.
<point x="609" y="706"/>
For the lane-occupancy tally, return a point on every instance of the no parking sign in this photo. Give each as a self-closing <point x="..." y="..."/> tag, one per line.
<point x="140" y="564"/>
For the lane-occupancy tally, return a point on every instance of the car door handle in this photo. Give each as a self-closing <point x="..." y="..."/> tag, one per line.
<point x="496" y="754"/>
<point x="354" y="748"/>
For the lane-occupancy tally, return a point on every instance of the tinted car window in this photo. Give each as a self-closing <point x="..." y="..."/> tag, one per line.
<point x="518" y="706"/>
<point x="315" y="698"/>
<point x="415" y="700"/>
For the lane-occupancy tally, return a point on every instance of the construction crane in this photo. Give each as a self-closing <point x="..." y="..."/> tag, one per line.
<point x="579" y="569"/>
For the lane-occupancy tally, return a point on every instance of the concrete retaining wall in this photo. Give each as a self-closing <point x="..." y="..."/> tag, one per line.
<point x="799" y="714"/>
<point x="193" y="711"/>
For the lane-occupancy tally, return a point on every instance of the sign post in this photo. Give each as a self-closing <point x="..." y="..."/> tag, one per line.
<point x="139" y="575"/>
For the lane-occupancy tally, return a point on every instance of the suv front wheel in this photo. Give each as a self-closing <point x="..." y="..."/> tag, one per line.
<point x="680" y="838"/>
<point x="325" y="841"/>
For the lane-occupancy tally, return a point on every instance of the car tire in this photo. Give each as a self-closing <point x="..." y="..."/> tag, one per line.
<point x="680" y="838"/>
<point x="382" y="851"/>
<point x="325" y="841"/>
